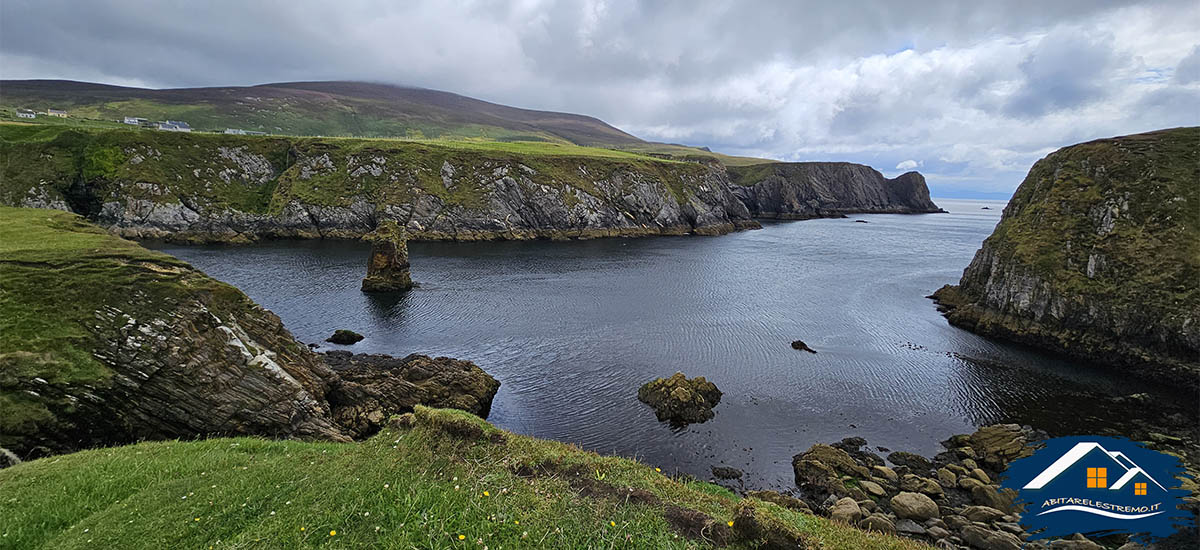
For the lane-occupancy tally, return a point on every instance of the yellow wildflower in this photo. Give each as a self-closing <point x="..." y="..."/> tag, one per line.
<point x="730" y="523"/>
<point x="658" y="469"/>
<point x="462" y="537"/>
<point x="332" y="533"/>
<point x="487" y="494"/>
<point x="612" y="523"/>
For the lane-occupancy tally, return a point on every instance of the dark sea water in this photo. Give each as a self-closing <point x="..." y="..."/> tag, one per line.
<point x="572" y="329"/>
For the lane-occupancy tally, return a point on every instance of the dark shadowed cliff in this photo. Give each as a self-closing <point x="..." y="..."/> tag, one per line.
<point x="802" y="190"/>
<point x="1098" y="256"/>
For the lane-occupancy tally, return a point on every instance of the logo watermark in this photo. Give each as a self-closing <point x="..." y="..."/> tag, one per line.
<point x="1099" y="486"/>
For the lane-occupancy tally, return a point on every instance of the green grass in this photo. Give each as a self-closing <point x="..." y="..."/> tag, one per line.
<point x="56" y="272"/>
<point x="448" y="481"/>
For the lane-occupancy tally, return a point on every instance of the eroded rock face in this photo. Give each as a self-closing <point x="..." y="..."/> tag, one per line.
<point x="1096" y="257"/>
<point x="370" y="388"/>
<point x="681" y="400"/>
<point x="387" y="268"/>
<point x="803" y="190"/>
<point x="171" y="353"/>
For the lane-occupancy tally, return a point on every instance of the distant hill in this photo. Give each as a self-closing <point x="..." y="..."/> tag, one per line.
<point x="318" y="108"/>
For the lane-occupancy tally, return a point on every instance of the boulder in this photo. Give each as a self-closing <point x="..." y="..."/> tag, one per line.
<point x="371" y="388"/>
<point x="845" y="510"/>
<point x="387" y="269"/>
<point x="872" y="488"/>
<point x="879" y="523"/>
<point x="345" y="337"/>
<point x="909" y="527"/>
<point x="986" y="495"/>
<point x="983" y="514"/>
<point x="679" y="399"/>
<point x="947" y="478"/>
<point x="999" y="444"/>
<point x="885" y="472"/>
<point x="915" y="462"/>
<point x="984" y="539"/>
<point x="915" y="506"/>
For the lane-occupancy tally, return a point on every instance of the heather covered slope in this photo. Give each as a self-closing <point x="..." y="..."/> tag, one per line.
<point x="357" y="109"/>
<point x="436" y="479"/>
<point x="1098" y="256"/>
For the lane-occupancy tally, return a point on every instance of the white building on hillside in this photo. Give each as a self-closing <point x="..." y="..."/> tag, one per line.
<point x="135" y="121"/>
<point x="26" y="113"/>
<point x="173" y="126"/>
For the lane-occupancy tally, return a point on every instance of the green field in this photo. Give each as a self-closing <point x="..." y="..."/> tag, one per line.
<point x="446" y="480"/>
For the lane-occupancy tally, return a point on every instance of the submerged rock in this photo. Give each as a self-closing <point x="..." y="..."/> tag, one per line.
<point x="387" y="269"/>
<point x="799" y="345"/>
<point x="345" y="337"/>
<point x="679" y="399"/>
<point x="726" y="472"/>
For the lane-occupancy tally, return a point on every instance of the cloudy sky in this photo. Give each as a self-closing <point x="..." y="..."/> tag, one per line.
<point x="969" y="93"/>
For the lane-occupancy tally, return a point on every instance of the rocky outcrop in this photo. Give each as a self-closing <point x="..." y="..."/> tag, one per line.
<point x="343" y="337"/>
<point x="387" y="268"/>
<point x="1097" y="256"/>
<point x="370" y="388"/>
<point x="107" y="343"/>
<point x="803" y="190"/>
<point x="681" y="400"/>
<point x="206" y="188"/>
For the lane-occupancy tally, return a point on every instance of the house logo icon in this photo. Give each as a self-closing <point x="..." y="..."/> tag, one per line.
<point x="1098" y="485"/>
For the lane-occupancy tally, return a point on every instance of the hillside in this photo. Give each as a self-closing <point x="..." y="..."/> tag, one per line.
<point x="436" y="479"/>
<point x="804" y="190"/>
<point x="356" y="109"/>
<point x="1097" y="256"/>
<point x="212" y="187"/>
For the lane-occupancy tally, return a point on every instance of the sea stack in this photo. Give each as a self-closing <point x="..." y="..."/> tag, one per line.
<point x="387" y="269"/>
<point x="1097" y="256"/>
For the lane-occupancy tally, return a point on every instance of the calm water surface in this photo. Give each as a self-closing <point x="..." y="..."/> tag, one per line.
<point x="572" y="329"/>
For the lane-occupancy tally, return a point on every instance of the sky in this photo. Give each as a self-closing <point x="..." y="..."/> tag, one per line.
<point x="968" y="93"/>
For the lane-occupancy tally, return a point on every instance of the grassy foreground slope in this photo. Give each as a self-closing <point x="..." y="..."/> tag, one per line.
<point x="436" y="479"/>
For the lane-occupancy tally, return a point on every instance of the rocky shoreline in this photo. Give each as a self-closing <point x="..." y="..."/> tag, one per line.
<point x="952" y="500"/>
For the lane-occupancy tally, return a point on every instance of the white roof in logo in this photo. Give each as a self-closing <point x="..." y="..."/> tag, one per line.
<point x="1080" y="450"/>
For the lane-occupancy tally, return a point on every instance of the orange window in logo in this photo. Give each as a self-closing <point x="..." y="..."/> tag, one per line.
<point x="1139" y="488"/>
<point x="1097" y="478"/>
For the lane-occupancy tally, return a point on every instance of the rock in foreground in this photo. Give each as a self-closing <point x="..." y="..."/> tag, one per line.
<point x="681" y="400"/>
<point x="370" y="388"/>
<point x="1097" y="256"/>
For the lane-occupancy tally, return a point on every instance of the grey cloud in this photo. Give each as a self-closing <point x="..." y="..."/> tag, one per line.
<point x="984" y="85"/>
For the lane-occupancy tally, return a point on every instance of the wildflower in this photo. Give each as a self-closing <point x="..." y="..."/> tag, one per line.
<point x="487" y="494"/>
<point x="197" y="519"/>
<point x="333" y="533"/>
<point x="386" y="485"/>
<point x="515" y="522"/>
<point x="462" y="537"/>
<point x="612" y="523"/>
<point x="730" y="523"/>
<point x="301" y="528"/>
<point x="366" y="513"/>
<point x="658" y="469"/>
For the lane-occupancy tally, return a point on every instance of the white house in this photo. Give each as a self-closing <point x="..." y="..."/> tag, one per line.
<point x="26" y="113"/>
<point x="135" y="121"/>
<point x="173" y="126"/>
<point x="235" y="131"/>
<point x="57" y="112"/>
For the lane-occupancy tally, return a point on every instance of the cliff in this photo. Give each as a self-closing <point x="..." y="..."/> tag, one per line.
<point x="1097" y="256"/>
<point x="205" y="187"/>
<point x="803" y="190"/>
<point x="104" y="342"/>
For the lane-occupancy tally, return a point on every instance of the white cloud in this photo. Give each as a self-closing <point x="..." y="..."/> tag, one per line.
<point x="907" y="165"/>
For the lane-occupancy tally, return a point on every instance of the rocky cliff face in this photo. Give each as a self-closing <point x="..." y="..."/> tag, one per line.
<point x="1097" y="255"/>
<point x="236" y="188"/>
<point x="103" y="342"/>
<point x="802" y="190"/>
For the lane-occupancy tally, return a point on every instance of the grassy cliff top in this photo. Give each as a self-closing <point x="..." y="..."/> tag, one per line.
<point x="56" y="272"/>
<point x="441" y="479"/>
<point x="1131" y="201"/>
